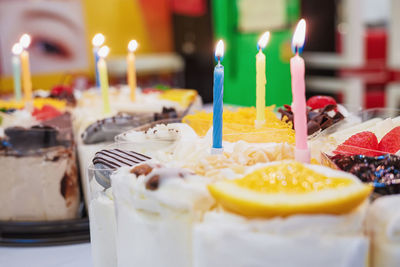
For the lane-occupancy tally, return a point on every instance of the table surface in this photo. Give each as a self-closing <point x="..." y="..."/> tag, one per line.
<point x="55" y="256"/>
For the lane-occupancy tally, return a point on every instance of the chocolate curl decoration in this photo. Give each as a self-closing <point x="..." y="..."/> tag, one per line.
<point x="317" y="120"/>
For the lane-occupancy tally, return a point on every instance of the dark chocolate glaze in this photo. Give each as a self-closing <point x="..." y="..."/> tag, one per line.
<point x="106" y="129"/>
<point x="20" y="141"/>
<point x="36" y="137"/>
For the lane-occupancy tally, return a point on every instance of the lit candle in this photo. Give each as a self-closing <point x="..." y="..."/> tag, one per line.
<point x="302" y="153"/>
<point x="218" y="99"/>
<point x="261" y="80"/>
<point x="16" y="66"/>
<point x="97" y="41"/>
<point x="25" y="41"/>
<point x="103" y="77"/>
<point x="131" y="68"/>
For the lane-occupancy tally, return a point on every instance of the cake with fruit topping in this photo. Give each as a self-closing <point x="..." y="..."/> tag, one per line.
<point x="284" y="214"/>
<point x="371" y="154"/>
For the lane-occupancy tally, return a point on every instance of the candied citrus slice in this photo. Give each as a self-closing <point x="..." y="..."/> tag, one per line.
<point x="289" y="188"/>
<point x="183" y="96"/>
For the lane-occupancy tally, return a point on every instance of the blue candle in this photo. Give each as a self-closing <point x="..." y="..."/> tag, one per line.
<point x="16" y="66"/>
<point x="218" y="99"/>
<point x="97" y="41"/>
<point x="96" y="60"/>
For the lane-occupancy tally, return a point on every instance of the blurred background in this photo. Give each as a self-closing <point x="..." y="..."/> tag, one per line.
<point x="352" y="46"/>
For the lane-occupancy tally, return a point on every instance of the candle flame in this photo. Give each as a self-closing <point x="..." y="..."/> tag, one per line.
<point x="25" y="40"/>
<point x="17" y="49"/>
<point x="263" y="41"/>
<point x="98" y="40"/>
<point x="299" y="36"/>
<point x="103" y="51"/>
<point x="133" y="45"/>
<point x="219" y="50"/>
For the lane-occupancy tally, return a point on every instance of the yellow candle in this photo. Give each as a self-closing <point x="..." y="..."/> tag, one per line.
<point x="131" y="68"/>
<point x="102" y="68"/>
<point x="25" y="41"/>
<point x="261" y="81"/>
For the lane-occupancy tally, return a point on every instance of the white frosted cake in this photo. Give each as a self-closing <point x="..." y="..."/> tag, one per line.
<point x="383" y="225"/>
<point x="156" y="209"/>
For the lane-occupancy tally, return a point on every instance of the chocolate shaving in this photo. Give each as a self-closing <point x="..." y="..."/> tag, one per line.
<point x="317" y="120"/>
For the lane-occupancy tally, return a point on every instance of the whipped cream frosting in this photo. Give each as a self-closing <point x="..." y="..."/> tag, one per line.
<point x="225" y="239"/>
<point x="178" y="190"/>
<point x="170" y="132"/>
<point x="22" y="118"/>
<point x="384" y="218"/>
<point x="157" y="216"/>
<point x="383" y="227"/>
<point x="179" y="143"/>
<point x="103" y="229"/>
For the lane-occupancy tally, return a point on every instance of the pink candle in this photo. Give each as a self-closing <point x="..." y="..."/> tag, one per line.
<point x="302" y="153"/>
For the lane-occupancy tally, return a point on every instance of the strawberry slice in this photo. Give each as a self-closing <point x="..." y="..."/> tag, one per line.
<point x="60" y="89"/>
<point x="390" y="143"/>
<point x="364" y="143"/>
<point x="45" y="113"/>
<point x="320" y="101"/>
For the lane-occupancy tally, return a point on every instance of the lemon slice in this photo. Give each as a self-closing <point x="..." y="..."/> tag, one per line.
<point x="183" y="96"/>
<point x="290" y="188"/>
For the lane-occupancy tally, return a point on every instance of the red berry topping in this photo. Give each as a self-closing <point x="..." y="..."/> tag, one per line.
<point x="150" y="90"/>
<point x="45" y="113"/>
<point x="320" y="101"/>
<point x="390" y="143"/>
<point x="364" y="143"/>
<point x="59" y="89"/>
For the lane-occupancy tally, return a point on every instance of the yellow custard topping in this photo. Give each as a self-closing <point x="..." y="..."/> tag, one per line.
<point x="240" y="125"/>
<point x="38" y="103"/>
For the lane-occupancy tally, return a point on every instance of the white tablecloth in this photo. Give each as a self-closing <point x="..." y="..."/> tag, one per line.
<point x="56" y="256"/>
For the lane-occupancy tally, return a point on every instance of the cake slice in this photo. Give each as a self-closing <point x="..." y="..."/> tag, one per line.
<point x="157" y="206"/>
<point x="285" y="214"/>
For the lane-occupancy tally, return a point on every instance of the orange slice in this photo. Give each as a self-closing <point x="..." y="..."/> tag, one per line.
<point x="289" y="188"/>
